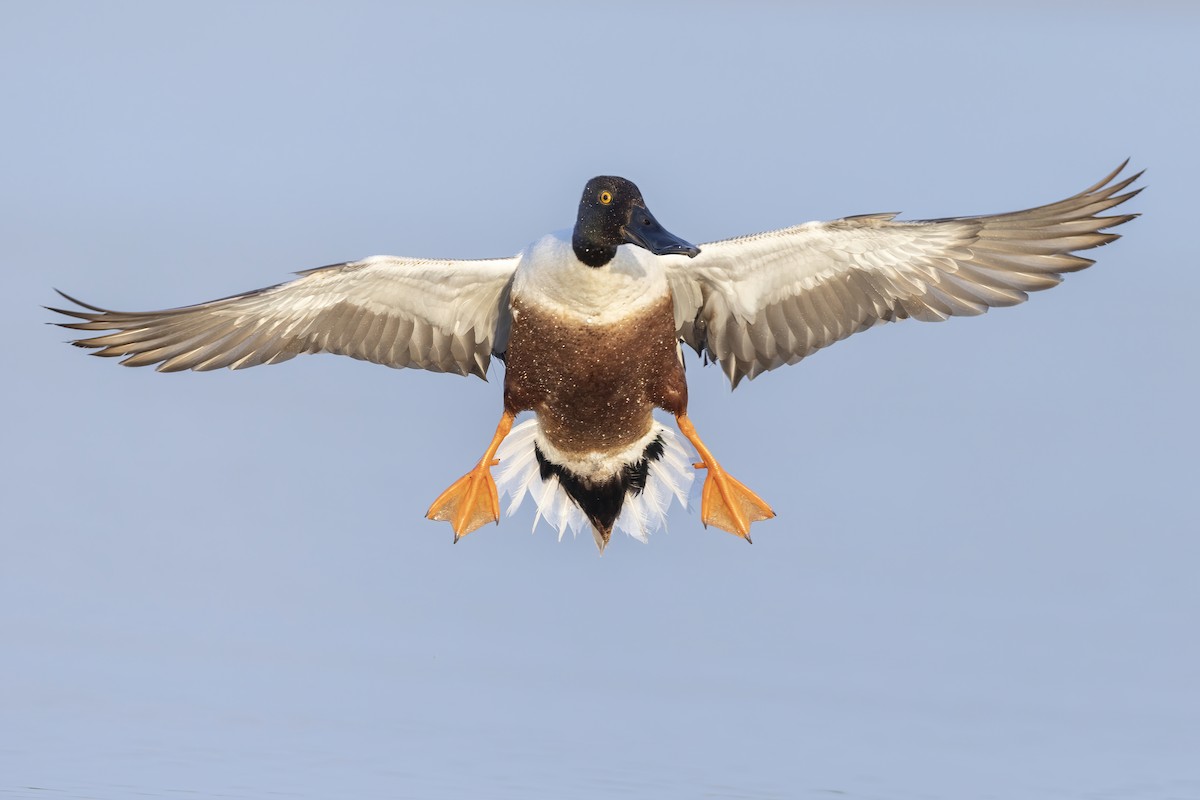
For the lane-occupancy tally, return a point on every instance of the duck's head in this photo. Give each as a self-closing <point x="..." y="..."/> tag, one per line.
<point x="612" y="213"/>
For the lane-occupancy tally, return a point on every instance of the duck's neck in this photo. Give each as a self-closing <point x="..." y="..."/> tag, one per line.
<point x="591" y="252"/>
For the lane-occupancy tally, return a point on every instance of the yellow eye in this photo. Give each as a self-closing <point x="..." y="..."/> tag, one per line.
<point x="605" y="197"/>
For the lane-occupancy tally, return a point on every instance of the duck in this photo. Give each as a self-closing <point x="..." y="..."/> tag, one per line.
<point x="591" y="325"/>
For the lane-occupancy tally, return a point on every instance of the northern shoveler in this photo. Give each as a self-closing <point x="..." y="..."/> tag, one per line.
<point x="589" y="324"/>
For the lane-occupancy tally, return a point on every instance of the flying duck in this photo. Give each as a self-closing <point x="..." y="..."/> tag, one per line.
<point x="589" y="324"/>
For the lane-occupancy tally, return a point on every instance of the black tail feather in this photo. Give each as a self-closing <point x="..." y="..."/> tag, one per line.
<point x="602" y="501"/>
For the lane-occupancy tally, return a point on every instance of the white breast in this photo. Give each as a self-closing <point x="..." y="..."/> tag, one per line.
<point x="551" y="277"/>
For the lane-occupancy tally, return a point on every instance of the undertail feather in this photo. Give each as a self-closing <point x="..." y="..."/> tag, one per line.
<point x="630" y="491"/>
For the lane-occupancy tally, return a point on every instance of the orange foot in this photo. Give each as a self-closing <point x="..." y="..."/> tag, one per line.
<point x="472" y="501"/>
<point x="726" y="502"/>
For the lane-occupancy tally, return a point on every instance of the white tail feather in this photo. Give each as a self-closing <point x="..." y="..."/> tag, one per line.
<point x="669" y="477"/>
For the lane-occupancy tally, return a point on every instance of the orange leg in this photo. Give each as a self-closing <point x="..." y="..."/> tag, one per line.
<point x="471" y="501"/>
<point x="726" y="502"/>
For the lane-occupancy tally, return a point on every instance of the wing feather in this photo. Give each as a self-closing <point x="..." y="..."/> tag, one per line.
<point x="444" y="316"/>
<point x="758" y="302"/>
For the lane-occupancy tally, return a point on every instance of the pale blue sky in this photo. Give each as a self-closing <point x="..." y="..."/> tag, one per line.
<point x="982" y="580"/>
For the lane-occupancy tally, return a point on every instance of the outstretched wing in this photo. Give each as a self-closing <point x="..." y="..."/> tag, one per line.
<point x="770" y="299"/>
<point x="444" y="316"/>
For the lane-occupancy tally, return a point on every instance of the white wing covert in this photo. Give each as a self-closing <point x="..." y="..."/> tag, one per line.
<point x="439" y="315"/>
<point x="758" y="302"/>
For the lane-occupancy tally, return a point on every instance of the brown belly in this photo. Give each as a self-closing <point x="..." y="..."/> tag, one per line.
<point x="593" y="387"/>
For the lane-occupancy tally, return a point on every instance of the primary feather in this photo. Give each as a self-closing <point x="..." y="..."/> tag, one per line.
<point x="761" y="301"/>
<point x="444" y="316"/>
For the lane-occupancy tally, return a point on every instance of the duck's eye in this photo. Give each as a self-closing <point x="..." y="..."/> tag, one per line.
<point x="605" y="197"/>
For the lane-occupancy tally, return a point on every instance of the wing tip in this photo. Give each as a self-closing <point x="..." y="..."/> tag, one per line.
<point x="77" y="302"/>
